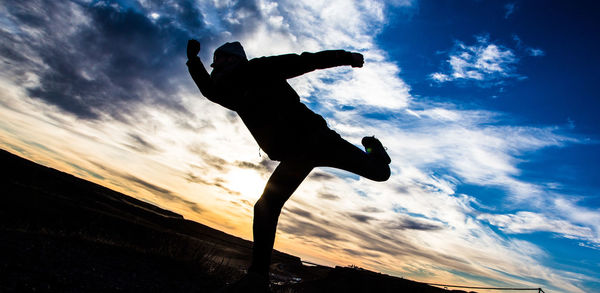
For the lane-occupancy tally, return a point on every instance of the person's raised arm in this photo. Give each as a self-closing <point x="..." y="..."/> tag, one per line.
<point x="292" y="65"/>
<point x="198" y="72"/>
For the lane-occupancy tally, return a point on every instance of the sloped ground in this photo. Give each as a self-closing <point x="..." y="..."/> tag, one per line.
<point x="63" y="234"/>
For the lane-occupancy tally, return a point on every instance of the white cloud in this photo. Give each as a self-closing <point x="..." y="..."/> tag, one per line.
<point x="440" y="77"/>
<point x="312" y="26"/>
<point x="510" y="9"/>
<point x="536" y="52"/>
<point x="280" y="27"/>
<point x="567" y="207"/>
<point x="464" y="146"/>
<point x="529" y="222"/>
<point x="483" y="61"/>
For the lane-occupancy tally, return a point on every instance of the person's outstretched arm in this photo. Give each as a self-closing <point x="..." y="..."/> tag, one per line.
<point x="198" y="72"/>
<point x="292" y="65"/>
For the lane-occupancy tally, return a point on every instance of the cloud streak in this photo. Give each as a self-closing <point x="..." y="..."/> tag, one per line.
<point x="510" y="9"/>
<point x="484" y="62"/>
<point x="528" y="222"/>
<point x="94" y="60"/>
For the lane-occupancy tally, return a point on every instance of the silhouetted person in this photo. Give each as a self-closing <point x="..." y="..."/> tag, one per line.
<point x="285" y="129"/>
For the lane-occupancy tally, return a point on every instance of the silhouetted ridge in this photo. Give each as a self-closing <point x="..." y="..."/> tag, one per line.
<point x="21" y="172"/>
<point x="64" y="234"/>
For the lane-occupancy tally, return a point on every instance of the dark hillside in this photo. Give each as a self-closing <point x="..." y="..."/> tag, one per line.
<point x="64" y="234"/>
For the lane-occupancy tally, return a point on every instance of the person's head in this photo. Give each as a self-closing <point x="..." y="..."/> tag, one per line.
<point x="228" y="53"/>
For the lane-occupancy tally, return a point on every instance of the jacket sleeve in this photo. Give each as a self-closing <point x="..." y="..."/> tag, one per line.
<point x="201" y="78"/>
<point x="292" y="65"/>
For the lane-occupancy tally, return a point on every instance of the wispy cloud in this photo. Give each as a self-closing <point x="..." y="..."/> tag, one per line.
<point x="484" y="62"/>
<point x="527" y="50"/>
<point x="528" y="222"/>
<point x="535" y="52"/>
<point x="509" y="9"/>
<point x="93" y="60"/>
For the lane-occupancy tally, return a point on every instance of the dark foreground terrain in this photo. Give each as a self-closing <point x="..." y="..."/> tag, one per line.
<point x="60" y="233"/>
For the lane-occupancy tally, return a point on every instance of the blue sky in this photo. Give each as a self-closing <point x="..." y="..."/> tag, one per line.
<point x="487" y="109"/>
<point x="551" y="81"/>
<point x="563" y="34"/>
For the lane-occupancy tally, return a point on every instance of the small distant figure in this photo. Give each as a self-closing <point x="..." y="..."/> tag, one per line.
<point x="285" y="129"/>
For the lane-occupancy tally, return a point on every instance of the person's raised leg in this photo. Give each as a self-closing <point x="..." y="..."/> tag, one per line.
<point x="283" y="182"/>
<point x="339" y="153"/>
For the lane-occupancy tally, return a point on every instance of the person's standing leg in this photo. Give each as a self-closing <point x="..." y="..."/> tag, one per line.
<point x="282" y="183"/>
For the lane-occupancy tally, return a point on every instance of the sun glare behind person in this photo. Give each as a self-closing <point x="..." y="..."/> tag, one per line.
<point x="247" y="182"/>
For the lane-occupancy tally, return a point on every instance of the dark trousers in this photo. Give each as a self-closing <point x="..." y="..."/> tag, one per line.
<point x="332" y="151"/>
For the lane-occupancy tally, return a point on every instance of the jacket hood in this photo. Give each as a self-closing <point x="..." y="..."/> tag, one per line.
<point x="233" y="48"/>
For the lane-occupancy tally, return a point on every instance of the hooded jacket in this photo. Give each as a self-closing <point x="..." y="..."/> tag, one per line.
<point x="271" y="109"/>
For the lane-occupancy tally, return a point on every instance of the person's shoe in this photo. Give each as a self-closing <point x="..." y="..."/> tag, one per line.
<point x="250" y="283"/>
<point x="374" y="148"/>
